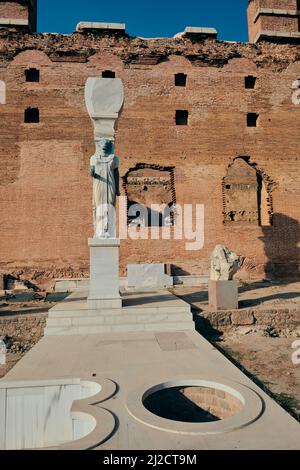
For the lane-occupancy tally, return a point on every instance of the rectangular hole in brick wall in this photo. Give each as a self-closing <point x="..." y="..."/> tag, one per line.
<point x="32" y="115"/>
<point x="32" y="75"/>
<point x="180" y="79"/>
<point x="181" y="117"/>
<point x="108" y="74"/>
<point x="250" y="82"/>
<point x="252" y="119"/>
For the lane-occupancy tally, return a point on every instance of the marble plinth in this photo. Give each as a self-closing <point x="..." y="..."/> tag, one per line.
<point x="104" y="273"/>
<point x="223" y="295"/>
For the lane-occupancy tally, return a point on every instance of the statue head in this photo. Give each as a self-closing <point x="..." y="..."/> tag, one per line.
<point x="104" y="147"/>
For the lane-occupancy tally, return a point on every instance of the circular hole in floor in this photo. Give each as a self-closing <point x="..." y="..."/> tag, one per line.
<point x="192" y="404"/>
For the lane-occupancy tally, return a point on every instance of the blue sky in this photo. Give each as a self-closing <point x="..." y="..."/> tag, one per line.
<point x="154" y="18"/>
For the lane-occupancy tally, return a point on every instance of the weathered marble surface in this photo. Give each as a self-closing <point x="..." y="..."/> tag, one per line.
<point x="37" y="412"/>
<point x="224" y="264"/>
<point x="104" y="274"/>
<point x="104" y="98"/>
<point x="148" y="275"/>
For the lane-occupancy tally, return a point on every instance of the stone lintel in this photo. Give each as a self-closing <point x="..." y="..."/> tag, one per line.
<point x="198" y="31"/>
<point x="13" y="22"/>
<point x="104" y="242"/>
<point x="93" y="26"/>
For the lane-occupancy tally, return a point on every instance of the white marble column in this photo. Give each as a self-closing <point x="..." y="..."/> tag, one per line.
<point x="104" y="99"/>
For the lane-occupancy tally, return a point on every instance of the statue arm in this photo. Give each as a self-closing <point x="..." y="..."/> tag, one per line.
<point x="117" y="181"/>
<point x="92" y="171"/>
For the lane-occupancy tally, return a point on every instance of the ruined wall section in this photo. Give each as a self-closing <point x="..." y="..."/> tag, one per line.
<point x="45" y="188"/>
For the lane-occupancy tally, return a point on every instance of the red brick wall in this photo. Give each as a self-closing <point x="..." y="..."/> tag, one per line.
<point x="13" y="10"/>
<point x="45" y="188"/>
<point x="279" y="4"/>
<point x="271" y="22"/>
<point x="279" y="23"/>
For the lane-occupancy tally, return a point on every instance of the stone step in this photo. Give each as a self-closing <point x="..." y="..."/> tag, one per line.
<point x="98" y="329"/>
<point x="118" y="319"/>
<point x="58" y="312"/>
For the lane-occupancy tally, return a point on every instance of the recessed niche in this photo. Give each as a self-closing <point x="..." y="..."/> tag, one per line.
<point x="108" y="74"/>
<point x="247" y="194"/>
<point x="252" y="119"/>
<point x="180" y="79"/>
<point x="32" y="115"/>
<point x="192" y="404"/>
<point x="181" y="117"/>
<point x="250" y="82"/>
<point x="151" y="195"/>
<point x="32" y="75"/>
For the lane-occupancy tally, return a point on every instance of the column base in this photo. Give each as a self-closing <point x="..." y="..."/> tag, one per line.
<point x="104" y="303"/>
<point x="223" y="295"/>
<point x="104" y="274"/>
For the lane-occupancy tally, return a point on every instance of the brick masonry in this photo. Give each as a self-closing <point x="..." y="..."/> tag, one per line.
<point x="280" y="319"/>
<point x="218" y="403"/>
<point x="13" y="10"/>
<point x="272" y="15"/>
<point x="45" y="188"/>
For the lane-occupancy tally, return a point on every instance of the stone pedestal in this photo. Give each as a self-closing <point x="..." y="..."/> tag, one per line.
<point x="223" y="295"/>
<point x="104" y="274"/>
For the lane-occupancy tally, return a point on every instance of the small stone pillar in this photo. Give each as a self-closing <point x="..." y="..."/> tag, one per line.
<point x="104" y="274"/>
<point x="223" y="295"/>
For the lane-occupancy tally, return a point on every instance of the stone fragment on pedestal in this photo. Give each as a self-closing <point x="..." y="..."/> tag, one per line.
<point x="223" y="295"/>
<point x="104" y="273"/>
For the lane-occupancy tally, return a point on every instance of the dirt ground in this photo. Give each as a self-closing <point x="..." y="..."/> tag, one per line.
<point x="255" y="294"/>
<point x="11" y="360"/>
<point x="20" y="306"/>
<point x="266" y="360"/>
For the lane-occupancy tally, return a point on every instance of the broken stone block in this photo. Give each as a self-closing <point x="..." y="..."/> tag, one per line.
<point x="148" y="275"/>
<point x="224" y="264"/>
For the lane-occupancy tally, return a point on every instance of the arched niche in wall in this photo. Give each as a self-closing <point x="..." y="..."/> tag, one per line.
<point x="105" y="63"/>
<point x="247" y="194"/>
<point x="148" y="185"/>
<point x="30" y="58"/>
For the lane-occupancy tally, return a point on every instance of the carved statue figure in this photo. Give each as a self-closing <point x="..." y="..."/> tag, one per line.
<point x="105" y="172"/>
<point x="224" y="263"/>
